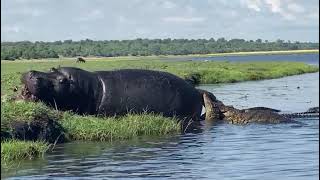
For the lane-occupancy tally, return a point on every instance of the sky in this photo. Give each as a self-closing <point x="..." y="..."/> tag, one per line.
<point x="52" y="20"/>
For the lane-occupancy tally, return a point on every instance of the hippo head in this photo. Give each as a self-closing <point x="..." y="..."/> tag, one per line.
<point x="46" y="86"/>
<point x="63" y="88"/>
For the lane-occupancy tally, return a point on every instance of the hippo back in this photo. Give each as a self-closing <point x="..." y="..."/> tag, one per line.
<point x="133" y="90"/>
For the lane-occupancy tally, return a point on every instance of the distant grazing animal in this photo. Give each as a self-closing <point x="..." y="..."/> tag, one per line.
<point x="80" y="60"/>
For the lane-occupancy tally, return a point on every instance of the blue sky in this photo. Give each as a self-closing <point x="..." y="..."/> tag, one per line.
<point x="51" y="20"/>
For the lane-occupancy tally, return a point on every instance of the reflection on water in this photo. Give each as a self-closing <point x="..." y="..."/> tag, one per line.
<point x="224" y="151"/>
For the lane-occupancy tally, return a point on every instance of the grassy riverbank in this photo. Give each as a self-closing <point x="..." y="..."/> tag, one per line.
<point x="13" y="150"/>
<point x="35" y="121"/>
<point x="75" y="127"/>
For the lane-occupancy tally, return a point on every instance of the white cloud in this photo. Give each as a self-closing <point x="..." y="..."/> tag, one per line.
<point x="32" y="12"/>
<point x="125" y="20"/>
<point x="93" y="15"/>
<point x="295" y="8"/>
<point x="293" y="19"/>
<point x="141" y="31"/>
<point x="274" y="5"/>
<point x="190" y="9"/>
<point x="288" y="16"/>
<point x="233" y="13"/>
<point x="177" y="19"/>
<point x="27" y="11"/>
<point x="253" y="4"/>
<point x="11" y="29"/>
<point x="29" y="1"/>
<point x="122" y="19"/>
<point x="314" y="15"/>
<point x="168" y="5"/>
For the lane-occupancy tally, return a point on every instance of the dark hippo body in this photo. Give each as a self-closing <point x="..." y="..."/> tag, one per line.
<point x="115" y="92"/>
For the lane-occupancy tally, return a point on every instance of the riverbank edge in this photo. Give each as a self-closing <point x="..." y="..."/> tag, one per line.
<point x="307" y="51"/>
<point x="34" y="126"/>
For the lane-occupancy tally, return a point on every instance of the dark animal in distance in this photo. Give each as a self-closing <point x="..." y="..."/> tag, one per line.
<point x="80" y="60"/>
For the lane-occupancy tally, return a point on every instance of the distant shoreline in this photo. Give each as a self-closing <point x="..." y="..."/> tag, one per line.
<point x="308" y="51"/>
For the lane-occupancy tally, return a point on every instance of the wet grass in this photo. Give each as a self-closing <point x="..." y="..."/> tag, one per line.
<point x="17" y="150"/>
<point x="73" y="127"/>
<point x="112" y="128"/>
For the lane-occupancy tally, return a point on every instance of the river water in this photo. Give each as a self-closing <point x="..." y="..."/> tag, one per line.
<point x="224" y="151"/>
<point x="307" y="58"/>
<point x="312" y="58"/>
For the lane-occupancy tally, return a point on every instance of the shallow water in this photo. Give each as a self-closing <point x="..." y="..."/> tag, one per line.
<point x="225" y="151"/>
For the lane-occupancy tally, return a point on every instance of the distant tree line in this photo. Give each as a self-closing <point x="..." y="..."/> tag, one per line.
<point x="141" y="47"/>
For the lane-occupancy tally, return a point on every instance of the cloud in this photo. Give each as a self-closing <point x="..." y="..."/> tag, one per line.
<point x="91" y="16"/>
<point x="177" y="19"/>
<point x="26" y="11"/>
<point x="168" y="5"/>
<point x="32" y="12"/>
<point x="122" y="19"/>
<point x="314" y="16"/>
<point x="29" y="1"/>
<point x="10" y="29"/>
<point x="295" y="8"/>
<point x="287" y="9"/>
<point x="275" y="5"/>
<point x="190" y="9"/>
<point x="254" y="5"/>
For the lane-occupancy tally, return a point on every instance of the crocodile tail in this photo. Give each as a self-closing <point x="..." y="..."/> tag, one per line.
<point x="301" y="115"/>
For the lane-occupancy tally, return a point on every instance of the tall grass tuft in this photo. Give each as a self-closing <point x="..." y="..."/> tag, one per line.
<point x="112" y="128"/>
<point x="15" y="150"/>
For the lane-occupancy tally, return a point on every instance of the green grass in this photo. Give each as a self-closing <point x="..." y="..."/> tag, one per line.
<point x="76" y="127"/>
<point x="126" y="127"/>
<point x="16" y="150"/>
<point x="24" y="111"/>
<point x="209" y="72"/>
<point x="89" y="127"/>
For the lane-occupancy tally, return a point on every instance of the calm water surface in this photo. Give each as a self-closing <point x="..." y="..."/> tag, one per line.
<point x="225" y="151"/>
<point x="307" y="58"/>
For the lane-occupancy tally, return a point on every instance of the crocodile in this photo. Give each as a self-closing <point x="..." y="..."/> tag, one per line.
<point x="218" y="111"/>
